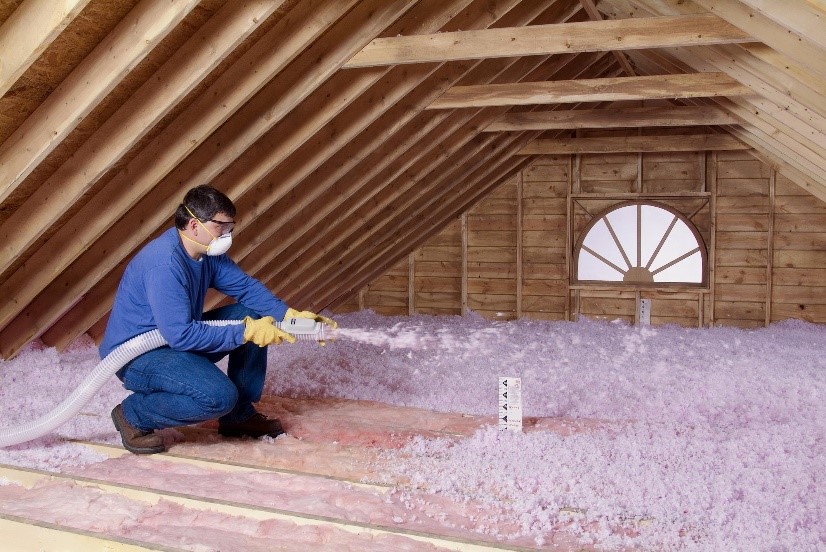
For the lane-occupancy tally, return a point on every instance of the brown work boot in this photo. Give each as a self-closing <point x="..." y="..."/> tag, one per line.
<point x="135" y="440"/>
<point x="256" y="426"/>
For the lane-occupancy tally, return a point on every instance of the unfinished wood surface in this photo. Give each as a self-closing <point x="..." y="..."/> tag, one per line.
<point x="641" y="117"/>
<point x="144" y="109"/>
<point x="100" y="72"/>
<point x="782" y="37"/>
<point x="592" y="90"/>
<point x="370" y="18"/>
<point x="339" y="173"/>
<point x="588" y="36"/>
<point x="697" y="142"/>
<point x="29" y="31"/>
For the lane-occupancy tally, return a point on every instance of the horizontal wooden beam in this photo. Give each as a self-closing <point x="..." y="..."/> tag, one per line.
<point x="560" y="38"/>
<point x="623" y="144"/>
<point x="632" y="117"/>
<point x="693" y="85"/>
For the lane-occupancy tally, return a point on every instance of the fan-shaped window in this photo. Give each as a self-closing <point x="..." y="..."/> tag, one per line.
<point x="641" y="243"/>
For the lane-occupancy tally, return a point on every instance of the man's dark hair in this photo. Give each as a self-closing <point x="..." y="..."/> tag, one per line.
<point x="205" y="202"/>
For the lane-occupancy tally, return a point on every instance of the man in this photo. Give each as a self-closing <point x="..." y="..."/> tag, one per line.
<point x="164" y="287"/>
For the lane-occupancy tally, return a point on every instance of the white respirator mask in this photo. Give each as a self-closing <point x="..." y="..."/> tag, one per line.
<point x="218" y="245"/>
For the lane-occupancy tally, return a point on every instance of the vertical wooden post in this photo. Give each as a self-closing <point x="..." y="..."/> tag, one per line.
<point x="464" y="263"/>
<point x="362" y="291"/>
<point x="770" y="252"/>
<point x="711" y="183"/>
<point x="519" y="192"/>
<point x="411" y="283"/>
<point x="568" y="244"/>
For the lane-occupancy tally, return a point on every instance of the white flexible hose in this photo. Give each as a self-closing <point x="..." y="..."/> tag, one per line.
<point x="105" y="369"/>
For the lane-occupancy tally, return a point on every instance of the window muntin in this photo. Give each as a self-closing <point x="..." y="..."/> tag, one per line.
<point x="641" y="243"/>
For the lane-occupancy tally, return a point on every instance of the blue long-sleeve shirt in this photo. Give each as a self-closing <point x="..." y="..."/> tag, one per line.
<point x="164" y="288"/>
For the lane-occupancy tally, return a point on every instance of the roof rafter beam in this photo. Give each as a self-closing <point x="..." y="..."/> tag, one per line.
<point x="692" y="85"/>
<point x="622" y="59"/>
<point x="560" y="38"/>
<point x="630" y="117"/>
<point x="83" y="264"/>
<point x="805" y="48"/>
<point x="129" y="43"/>
<point x="29" y="31"/>
<point x="190" y="64"/>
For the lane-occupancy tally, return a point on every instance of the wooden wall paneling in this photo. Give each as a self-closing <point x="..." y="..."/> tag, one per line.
<point x="798" y="278"/>
<point x="790" y="120"/>
<point x="342" y="42"/>
<point x="377" y="157"/>
<point x="118" y="134"/>
<point x="27" y="33"/>
<point x="132" y="40"/>
<point x="418" y="198"/>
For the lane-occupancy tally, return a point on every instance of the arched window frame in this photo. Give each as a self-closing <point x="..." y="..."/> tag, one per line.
<point x="697" y="235"/>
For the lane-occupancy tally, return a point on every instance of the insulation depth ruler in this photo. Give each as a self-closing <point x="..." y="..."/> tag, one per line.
<point x="510" y="403"/>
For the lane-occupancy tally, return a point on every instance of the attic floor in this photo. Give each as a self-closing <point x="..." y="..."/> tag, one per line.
<point x="323" y="486"/>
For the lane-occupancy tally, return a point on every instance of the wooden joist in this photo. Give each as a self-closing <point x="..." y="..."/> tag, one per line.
<point x="629" y="117"/>
<point x="587" y="36"/>
<point x="620" y="144"/>
<point x="592" y="90"/>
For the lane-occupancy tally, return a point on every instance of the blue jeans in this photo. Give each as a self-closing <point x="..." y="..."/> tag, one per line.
<point x="174" y="388"/>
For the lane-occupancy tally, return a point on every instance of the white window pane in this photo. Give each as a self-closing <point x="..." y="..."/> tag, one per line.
<point x="688" y="270"/>
<point x="591" y="268"/>
<point x="600" y="241"/>
<point x="679" y="242"/>
<point x="624" y="223"/>
<point x="655" y="222"/>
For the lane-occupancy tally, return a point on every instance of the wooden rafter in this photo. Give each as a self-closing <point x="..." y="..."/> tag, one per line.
<point x="29" y="31"/>
<point x="587" y="36"/>
<point x="622" y="59"/>
<point x="259" y="241"/>
<point x="629" y="117"/>
<point x="145" y="26"/>
<point x="592" y="90"/>
<point x="320" y="61"/>
<point x="783" y="37"/>
<point x="142" y="111"/>
<point x="624" y="144"/>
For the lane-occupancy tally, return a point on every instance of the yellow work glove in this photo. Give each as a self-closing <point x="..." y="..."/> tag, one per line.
<point x="292" y="313"/>
<point x="263" y="332"/>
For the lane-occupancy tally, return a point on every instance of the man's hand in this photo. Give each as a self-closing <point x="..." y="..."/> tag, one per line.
<point x="292" y="313"/>
<point x="263" y="332"/>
